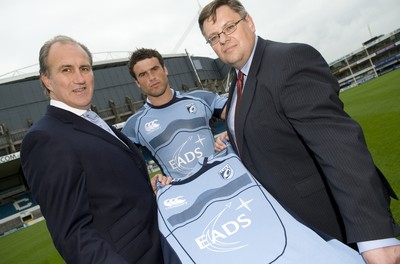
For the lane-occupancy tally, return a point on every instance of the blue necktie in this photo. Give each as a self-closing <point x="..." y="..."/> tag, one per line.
<point x="96" y="119"/>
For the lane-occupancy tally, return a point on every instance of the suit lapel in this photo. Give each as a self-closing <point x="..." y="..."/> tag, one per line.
<point x="249" y="91"/>
<point x="231" y="88"/>
<point x="89" y="128"/>
<point x="228" y="103"/>
<point x="85" y="126"/>
<point x="124" y="139"/>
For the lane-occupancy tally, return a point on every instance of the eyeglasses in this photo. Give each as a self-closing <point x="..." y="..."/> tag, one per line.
<point x="227" y="30"/>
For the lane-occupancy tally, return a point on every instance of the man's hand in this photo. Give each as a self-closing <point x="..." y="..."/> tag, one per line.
<point x="163" y="180"/>
<point x="219" y="145"/>
<point x="386" y="255"/>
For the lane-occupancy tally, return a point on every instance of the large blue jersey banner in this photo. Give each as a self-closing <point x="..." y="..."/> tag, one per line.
<point x="221" y="214"/>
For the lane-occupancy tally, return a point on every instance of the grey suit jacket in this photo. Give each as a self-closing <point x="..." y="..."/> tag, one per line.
<point x="295" y="137"/>
<point x="92" y="189"/>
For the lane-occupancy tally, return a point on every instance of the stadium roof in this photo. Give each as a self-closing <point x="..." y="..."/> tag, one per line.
<point x="107" y="58"/>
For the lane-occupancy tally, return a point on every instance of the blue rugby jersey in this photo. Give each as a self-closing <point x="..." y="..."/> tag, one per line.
<point x="221" y="214"/>
<point x="178" y="133"/>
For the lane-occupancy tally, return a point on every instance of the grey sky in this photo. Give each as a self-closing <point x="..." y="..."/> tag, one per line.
<point x="335" y="28"/>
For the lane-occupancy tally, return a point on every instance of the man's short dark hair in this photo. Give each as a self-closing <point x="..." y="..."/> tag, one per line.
<point x="141" y="54"/>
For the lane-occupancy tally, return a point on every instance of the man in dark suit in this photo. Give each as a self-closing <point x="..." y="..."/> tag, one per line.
<point x="291" y="132"/>
<point x="92" y="185"/>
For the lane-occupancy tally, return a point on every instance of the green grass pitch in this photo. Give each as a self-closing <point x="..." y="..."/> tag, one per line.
<point x="31" y="245"/>
<point x="375" y="105"/>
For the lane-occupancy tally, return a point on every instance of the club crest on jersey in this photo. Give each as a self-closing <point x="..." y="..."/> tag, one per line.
<point x="191" y="108"/>
<point x="151" y="126"/>
<point x="226" y="172"/>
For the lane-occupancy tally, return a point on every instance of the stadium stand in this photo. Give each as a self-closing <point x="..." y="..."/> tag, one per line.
<point x="376" y="57"/>
<point x="17" y="212"/>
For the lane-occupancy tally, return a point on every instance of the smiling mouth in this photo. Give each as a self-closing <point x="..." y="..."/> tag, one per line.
<point x="228" y="49"/>
<point x="79" y="90"/>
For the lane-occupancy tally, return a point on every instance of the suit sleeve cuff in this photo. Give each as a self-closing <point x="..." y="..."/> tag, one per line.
<point x="374" y="244"/>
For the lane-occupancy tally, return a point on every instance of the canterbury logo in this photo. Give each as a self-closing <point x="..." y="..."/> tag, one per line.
<point x="174" y="202"/>
<point x="152" y="125"/>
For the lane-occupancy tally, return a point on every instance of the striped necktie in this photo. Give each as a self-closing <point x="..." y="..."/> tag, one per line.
<point x="96" y="119"/>
<point x="239" y="87"/>
<point x="239" y="90"/>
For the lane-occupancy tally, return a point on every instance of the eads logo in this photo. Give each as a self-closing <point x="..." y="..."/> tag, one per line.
<point x="222" y="236"/>
<point x="190" y="151"/>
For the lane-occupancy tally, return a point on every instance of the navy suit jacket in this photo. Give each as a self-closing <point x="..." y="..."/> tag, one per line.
<point x="295" y="138"/>
<point x="93" y="190"/>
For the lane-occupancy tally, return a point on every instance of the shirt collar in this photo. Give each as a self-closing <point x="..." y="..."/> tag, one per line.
<point x="64" y="106"/>
<point x="246" y="68"/>
<point x="173" y="94"/>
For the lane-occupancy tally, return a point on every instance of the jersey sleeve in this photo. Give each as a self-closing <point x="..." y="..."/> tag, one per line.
<point x="130" y="129"/>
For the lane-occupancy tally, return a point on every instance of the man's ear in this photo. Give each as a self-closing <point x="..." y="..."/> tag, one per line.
<point x="46" y="81"/>
<point x="250" y="22"/>
<point x="137" y="83"/>
<point x="165" y="70"/>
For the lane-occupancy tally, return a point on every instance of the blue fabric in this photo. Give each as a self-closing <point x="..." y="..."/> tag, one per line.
<point x="221" y="214"/>
<point x="178" y="133"/>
